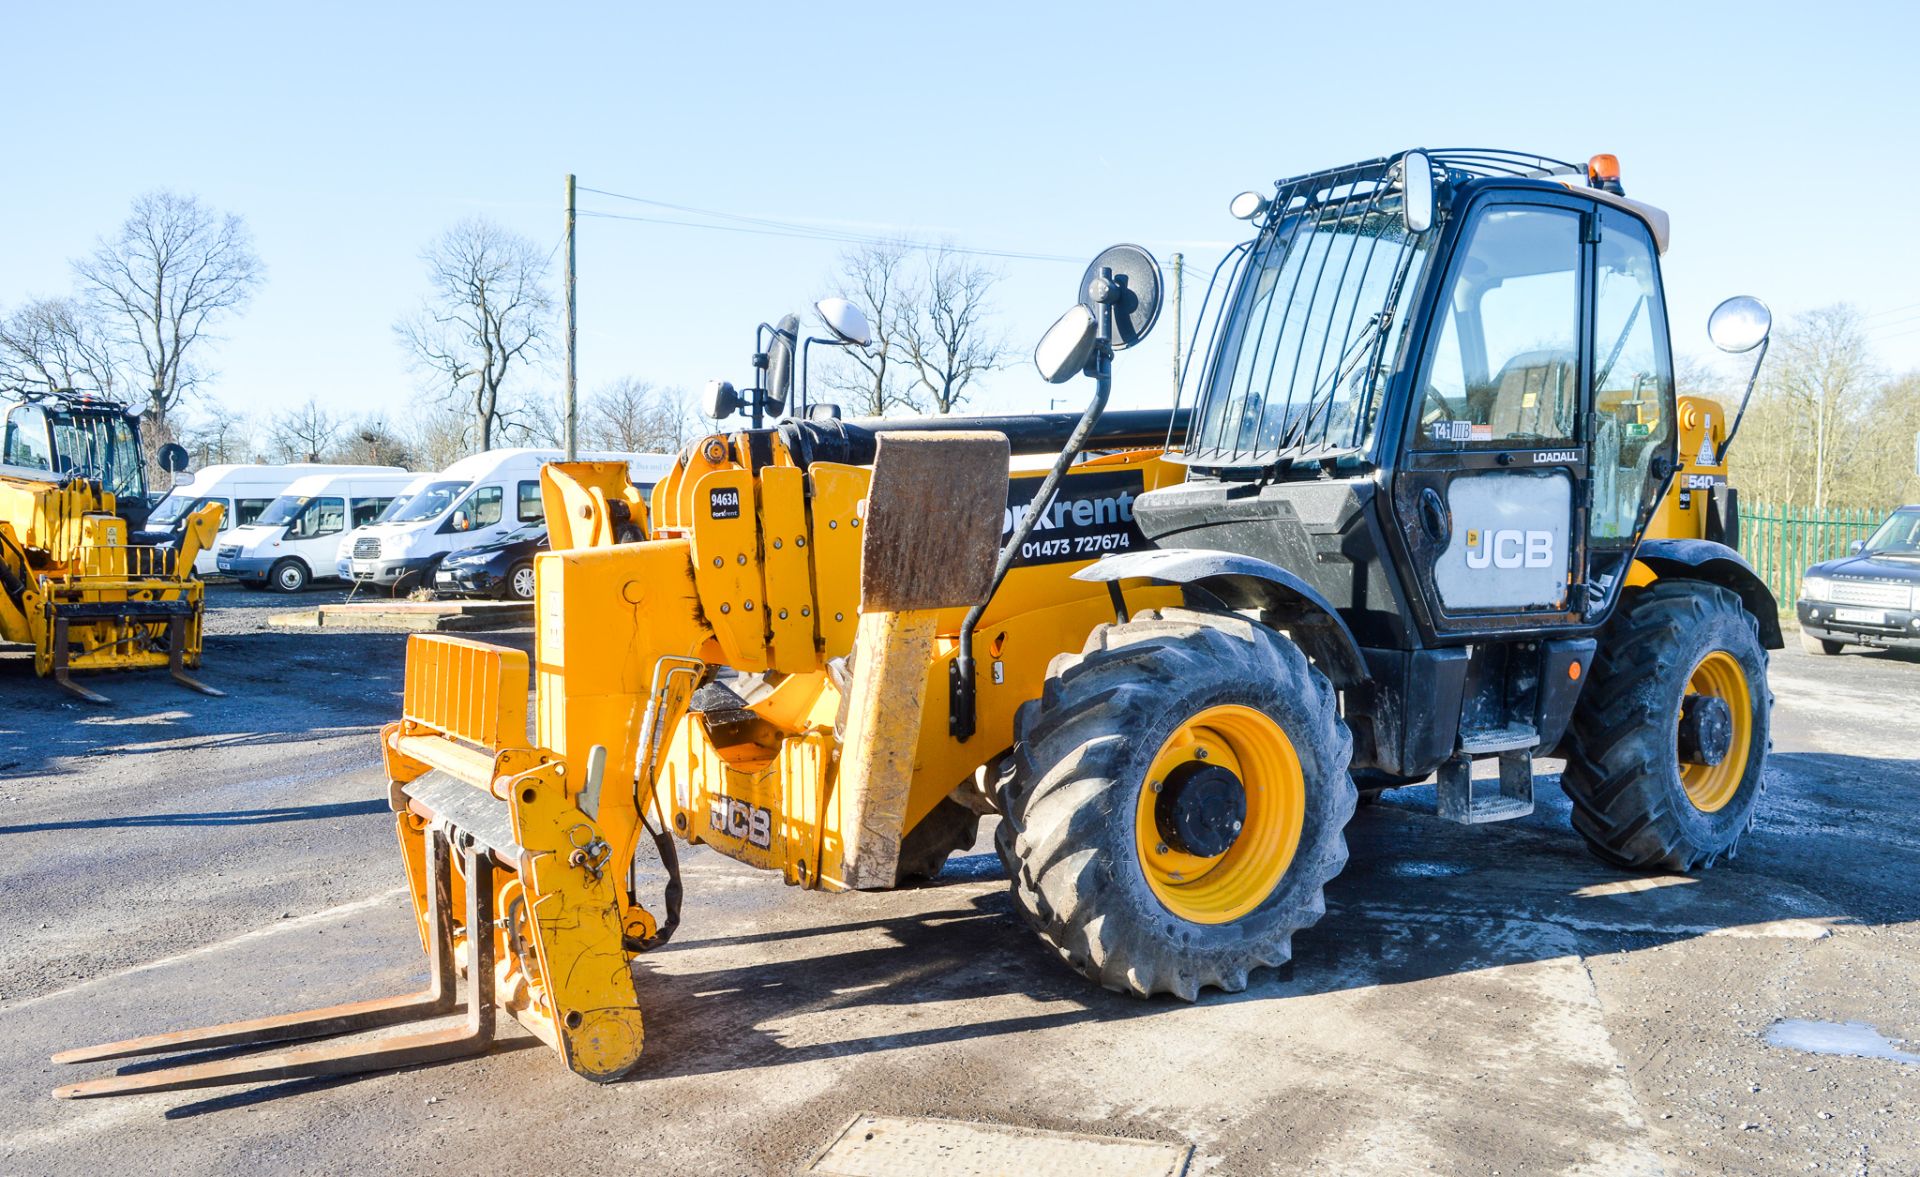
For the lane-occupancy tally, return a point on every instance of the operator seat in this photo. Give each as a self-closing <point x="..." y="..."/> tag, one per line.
<point x="1536" y="393"/>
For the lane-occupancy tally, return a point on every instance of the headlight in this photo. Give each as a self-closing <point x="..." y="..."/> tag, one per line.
<point x="396" y="547"/>
<point x="1817" y="588"/>
<point x="1914" y="603"/>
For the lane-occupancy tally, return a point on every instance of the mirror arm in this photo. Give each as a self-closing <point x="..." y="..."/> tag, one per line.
<point x="961" y="676"/>
<point x="1720" y="455"/>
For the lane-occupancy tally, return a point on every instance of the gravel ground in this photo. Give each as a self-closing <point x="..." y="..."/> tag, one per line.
<point x="1483" y="1000"/>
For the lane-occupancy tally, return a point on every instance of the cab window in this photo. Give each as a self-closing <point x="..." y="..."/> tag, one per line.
<point x="1632" y="378"/>
<point x="482" y="509"/>
<point x="245" y="511"/>
<point x="1505" y="369"/>
<point x="26" y="441"/>
<point x="531" y="509"/>
<point x="322" y="516"/>
<point x="365" y="511"/>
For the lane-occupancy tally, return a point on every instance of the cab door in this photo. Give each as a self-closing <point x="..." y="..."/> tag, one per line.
<point x="1491" y="476"/>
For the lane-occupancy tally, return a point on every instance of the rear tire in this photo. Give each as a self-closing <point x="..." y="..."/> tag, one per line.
<point x="950" y="827"/>
<point x="1634" y="801"/>
<point x="1820" y="647"/>
<point x="288" y="576"/>
<point x="1081" y="817"/>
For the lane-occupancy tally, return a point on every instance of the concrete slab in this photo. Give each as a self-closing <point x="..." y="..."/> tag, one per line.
<point x="409" y="616"/>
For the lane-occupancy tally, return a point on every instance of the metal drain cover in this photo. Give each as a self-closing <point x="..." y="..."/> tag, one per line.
<point x="903" y="1146"/>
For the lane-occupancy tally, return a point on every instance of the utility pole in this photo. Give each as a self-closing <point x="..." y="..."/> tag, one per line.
<point x="1179" y="261"/>
<point x="573" y="409"/>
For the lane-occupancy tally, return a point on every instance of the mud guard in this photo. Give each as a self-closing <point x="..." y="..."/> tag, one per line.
<point x="1716" y="563"/>
<point x="1246" y="582"/>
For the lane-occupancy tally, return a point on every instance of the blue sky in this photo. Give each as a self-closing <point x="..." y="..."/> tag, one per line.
<point x="349" y="135"/>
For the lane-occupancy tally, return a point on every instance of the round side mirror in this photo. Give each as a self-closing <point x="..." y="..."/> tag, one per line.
<point x="1739" y="324"/>
<point x="1064" y="350"/>
<point x="1416" y="183"/>
<point x="1247" y="206"/>
<point x="719" y="400"/>
<point x="173" y="457"/>
<point x="1133" y="291"/>
<point x="780" y="364"/>
<point x="845" y="321"/>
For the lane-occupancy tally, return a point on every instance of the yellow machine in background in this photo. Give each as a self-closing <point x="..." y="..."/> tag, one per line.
<point x="74" y="588"/>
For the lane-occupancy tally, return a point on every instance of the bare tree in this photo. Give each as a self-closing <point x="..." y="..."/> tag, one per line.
<point x="305" y="434"/>
<point x="58" y="343"/>
<point x="441" y="436"/>
<point x="372" y="440"/>
<point x="215" y="433"/>
<point x="632" y="416"/>
<point x="174" y="270"/>
<point x="870" y="382"/>
<point x="484" y="317"/>
<point x="948" y="338"/>
<point x="1818" y="376"/>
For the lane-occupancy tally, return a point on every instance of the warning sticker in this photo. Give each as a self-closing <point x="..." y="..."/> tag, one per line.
<point x="1091" y="516"/>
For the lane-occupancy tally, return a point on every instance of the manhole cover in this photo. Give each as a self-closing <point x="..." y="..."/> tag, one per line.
<point x="900" y="1146"/>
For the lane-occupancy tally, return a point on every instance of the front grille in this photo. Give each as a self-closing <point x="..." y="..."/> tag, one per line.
<point x="1870" y="593"/>
<point x="229" y="550"/>
<point x="367" y="547"/>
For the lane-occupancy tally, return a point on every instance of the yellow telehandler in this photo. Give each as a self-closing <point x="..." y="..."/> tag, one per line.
<point x="1435" y="502"/>
<point x="74" y="583"/>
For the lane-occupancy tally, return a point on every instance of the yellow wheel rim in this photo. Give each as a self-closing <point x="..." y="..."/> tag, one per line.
<point x="1223" y="888"/>
<point x="1710" y="786"/>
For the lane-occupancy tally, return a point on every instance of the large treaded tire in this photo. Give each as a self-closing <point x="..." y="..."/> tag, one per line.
<point x="1081" y="754"/>
<point x="1623" y="768"/>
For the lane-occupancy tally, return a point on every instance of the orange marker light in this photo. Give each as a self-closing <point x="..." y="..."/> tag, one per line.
<point x="1603" y="172"/>
<point x="1573" y="671"/>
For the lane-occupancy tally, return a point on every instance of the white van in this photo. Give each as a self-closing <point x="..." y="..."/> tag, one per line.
<point x="343" y="553"/>
<point x="293" y="540"/>
<point x="471" y="503"/>
<point x="244" y="490"/>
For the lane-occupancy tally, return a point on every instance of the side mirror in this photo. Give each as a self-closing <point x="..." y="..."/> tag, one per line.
<point x="780" y="364"/>
<point x="1856" y="547"/>
<point x="1247" y="206"/>
<point x="1416" y="184"/>
<point x="719" y="400"/>
<point x="1064" y="350"/>
<point x="460" y="521"/>
<point x="848" y="325"/>
<point x="173" y="457"/>
<point x="1739" y="324"/>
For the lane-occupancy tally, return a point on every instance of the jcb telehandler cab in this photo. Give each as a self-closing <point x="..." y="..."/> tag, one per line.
<point x="1436" y="502"/>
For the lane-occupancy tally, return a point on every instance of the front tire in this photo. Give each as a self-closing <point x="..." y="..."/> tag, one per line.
<point x="1820" y="647"/>
<point x="519" y="584"/>
<point x="288" y="576"/>
<point x="1172" y="889"/>
<point x="1648" y="791"/>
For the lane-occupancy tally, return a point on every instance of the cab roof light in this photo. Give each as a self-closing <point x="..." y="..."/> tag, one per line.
<point x="1603" y="172"/>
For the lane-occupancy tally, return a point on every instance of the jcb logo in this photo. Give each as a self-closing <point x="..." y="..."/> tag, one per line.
<point x="1509" y="548"/>
<point x="737" y="819"/>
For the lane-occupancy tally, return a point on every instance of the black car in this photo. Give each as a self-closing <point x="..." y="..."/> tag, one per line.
<point x="1868" y="598"/>
<point x="502" y="569"/>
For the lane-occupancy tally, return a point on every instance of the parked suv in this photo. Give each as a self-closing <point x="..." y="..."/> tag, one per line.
<point x="1870" y="597"/>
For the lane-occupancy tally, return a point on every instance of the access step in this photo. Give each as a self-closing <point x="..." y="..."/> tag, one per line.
<point x="1458" y="800"/>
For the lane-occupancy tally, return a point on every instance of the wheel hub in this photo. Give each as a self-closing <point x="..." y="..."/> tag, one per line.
<point x="1706" y="729"/>
<point x="1201" y="809"/>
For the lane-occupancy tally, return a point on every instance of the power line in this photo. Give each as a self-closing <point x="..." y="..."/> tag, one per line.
<point x="1912" y="306"/>
<point x="769" y="227"/>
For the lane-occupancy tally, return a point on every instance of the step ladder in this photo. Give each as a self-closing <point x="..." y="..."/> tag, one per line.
<point x="1454" y="787"/>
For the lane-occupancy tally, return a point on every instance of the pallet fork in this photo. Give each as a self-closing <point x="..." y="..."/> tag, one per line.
<point x="469" y="1036"/>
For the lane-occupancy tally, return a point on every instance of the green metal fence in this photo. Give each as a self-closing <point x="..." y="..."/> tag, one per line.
<point x="1783" y="542"/>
